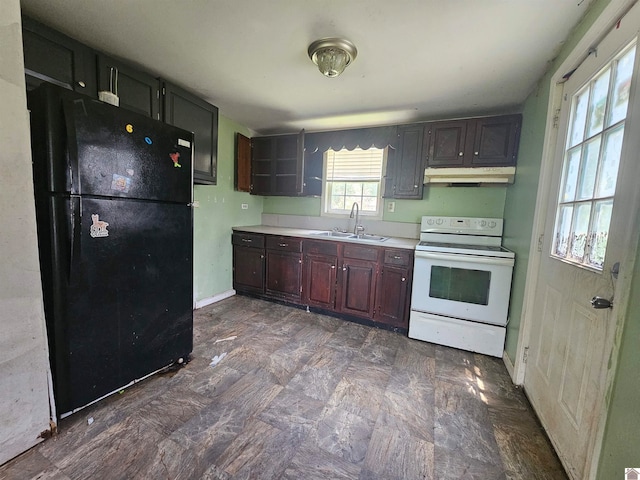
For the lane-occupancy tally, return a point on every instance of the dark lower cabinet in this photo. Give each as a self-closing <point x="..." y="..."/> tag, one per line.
<point x="392" y="295"/>
<point x="358" y="281"/>
<point x="248" y="263"/>
<point x="319" y="274"/>
<point x="284" y="267"/>
<point x="357" y="288"/>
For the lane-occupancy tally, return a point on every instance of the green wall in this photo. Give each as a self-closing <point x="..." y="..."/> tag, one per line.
<point x="220" y="208"/>
<point x="437" y="200"/>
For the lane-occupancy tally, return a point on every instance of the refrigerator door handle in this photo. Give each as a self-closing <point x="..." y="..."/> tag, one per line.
<point x="75" y="226"/>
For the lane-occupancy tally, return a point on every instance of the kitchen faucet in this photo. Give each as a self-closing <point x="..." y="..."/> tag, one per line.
<point x="357" y="229"/>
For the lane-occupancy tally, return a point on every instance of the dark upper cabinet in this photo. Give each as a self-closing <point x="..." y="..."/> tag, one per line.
<point x="277" y="165"/>
<point x="138" y="91"/>
<point x="405" y="165"/>
<point x="50" y="56"/>
<point x="185" y="110"/>
<point x="495" y="140"/>
<point x="474" y="142"/>
<point x="445" y="143"/>
<point x="242" y="181"/>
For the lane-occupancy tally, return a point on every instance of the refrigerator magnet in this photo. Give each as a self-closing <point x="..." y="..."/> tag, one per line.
<point x="98" y="227"/>
<point x="175" y="158"/>
<point x="120" y="183"/>
<point x="129" y="128"/>
<point x="148" y="140"/>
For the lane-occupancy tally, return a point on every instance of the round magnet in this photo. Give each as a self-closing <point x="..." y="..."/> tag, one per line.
<point x="148" y="140"/>
<point x="129" y="128"/>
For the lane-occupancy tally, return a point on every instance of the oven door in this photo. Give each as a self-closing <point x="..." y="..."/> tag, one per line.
<point x="462" y="286"/>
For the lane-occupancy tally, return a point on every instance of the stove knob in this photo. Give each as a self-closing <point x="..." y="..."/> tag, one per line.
<point x="483" y="223"/>
<point x="439" y="221"/>
<point x="492" y="224"/>
<point x="430" y="221"/>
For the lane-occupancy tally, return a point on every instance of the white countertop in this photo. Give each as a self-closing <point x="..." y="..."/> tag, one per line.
<point x="391" y="242"/>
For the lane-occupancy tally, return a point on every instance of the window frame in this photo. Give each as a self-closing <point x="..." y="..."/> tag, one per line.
<point x="325" y="196"/>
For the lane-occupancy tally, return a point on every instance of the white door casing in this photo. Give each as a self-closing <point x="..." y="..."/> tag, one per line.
<point x="569" y="343"/>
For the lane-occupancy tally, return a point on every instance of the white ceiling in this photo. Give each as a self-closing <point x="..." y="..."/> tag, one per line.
<point x="417" y="59"/>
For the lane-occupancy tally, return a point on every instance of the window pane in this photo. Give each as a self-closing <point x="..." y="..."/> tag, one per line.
<point x="354" y="188"/>
<point x="621" y="87"/>
<point x="599" y="93"/>
<point x="563" y="230"/>
<point x="349" y="201"/>
<point x="337" y="202"/>
<point x="610" y="163"/>
<point x="369" y="204"/>
<point x="571" y="175"/>
<point x="579" y="117"/>
<point x="600" y="232"/>
<point x="589" y="169"/>
<point x="370" y="189"/>
<point x="338" y="188"/>
<point x="580" y="229"/>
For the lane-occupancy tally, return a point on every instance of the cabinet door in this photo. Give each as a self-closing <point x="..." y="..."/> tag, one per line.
<point x="358" y="287"/>
<point x="50" y="56"/>
<point x="408" y="168"/>
<point x="137" y="91"/>
<point x="185" y="110"/>
<point x="248" y="269"/>
<point x="392" y="295"/>
<point x="277" y="165"/>
<point x="495" y="140"/>
<point x="243" y="163"/>
<point x="284" y="274"/>
<point x="446" y="143"/>
<point x="320" y="280"/>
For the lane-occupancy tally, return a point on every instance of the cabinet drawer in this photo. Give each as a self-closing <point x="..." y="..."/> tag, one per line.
<point x="398" y="257"/>
<point x="322" y="248"/>
<point x="360" y="253"/>
<point x="248" y="239"/>
<point x="287" y="244"/>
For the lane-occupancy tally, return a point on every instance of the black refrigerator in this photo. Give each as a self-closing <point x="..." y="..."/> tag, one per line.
<point x="113" y="206"/>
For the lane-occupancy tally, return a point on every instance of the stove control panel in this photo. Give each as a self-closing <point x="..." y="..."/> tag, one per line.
<point x="462" y="225"/>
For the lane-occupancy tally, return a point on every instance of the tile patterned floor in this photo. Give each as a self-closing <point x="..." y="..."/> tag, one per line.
<point x="303" y="396"/>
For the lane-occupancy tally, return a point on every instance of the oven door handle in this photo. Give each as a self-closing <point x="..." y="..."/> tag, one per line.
<point x="462" y="258"/>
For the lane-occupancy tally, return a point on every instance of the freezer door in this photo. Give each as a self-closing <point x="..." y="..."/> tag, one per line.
<point x="119" y="153"/>
<point x="127" y="302"/>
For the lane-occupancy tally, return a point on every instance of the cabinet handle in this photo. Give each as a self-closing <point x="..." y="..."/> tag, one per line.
<point x="333" y="266"/>
<point x="415" y="186"/>
<point x="82" y="84"/>
<point x="261" y="256"/>
<point x="344" y="269"/>
<point x="403" y="279"/>
<point x="460" y="154"/>
<point x="248" y="240"/>
<point x="475" y="153"/>
<point x="284" y="244"/>
<point x="397" y="257"/>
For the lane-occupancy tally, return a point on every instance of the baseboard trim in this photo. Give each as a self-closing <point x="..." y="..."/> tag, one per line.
<point x="216" y="298"/>
<point x="509" y="365"/>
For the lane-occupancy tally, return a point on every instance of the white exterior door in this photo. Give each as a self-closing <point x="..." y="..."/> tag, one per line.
<point x="591" y="207"/>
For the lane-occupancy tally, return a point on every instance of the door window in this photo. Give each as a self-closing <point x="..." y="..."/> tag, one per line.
<point x="591" y="159"/>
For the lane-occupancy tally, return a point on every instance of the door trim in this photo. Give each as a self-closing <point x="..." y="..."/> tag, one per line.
<point x="610" y="15"/>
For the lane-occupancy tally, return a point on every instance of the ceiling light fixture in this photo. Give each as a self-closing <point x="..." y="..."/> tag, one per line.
<point x="332" y="55"/>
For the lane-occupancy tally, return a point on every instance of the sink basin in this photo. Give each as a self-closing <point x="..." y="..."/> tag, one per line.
<point x="333" y="233"/>
<point x="365" y="237"/>
<point x="370" y="237"/>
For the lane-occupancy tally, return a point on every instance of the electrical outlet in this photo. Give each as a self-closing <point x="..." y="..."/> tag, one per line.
<point x="391" y="207"/>
<point x="245" y="206"/>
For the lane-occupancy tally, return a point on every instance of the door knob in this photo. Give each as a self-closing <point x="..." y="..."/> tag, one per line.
<point x="600" y="303"/>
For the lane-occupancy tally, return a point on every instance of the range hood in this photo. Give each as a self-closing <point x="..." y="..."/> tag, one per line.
<point x="474" y="175"/>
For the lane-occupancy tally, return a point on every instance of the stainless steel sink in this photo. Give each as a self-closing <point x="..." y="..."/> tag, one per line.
<point x="365" y="237"/>
<point x="369" y="237"/>
<point x="334" y="233"/>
